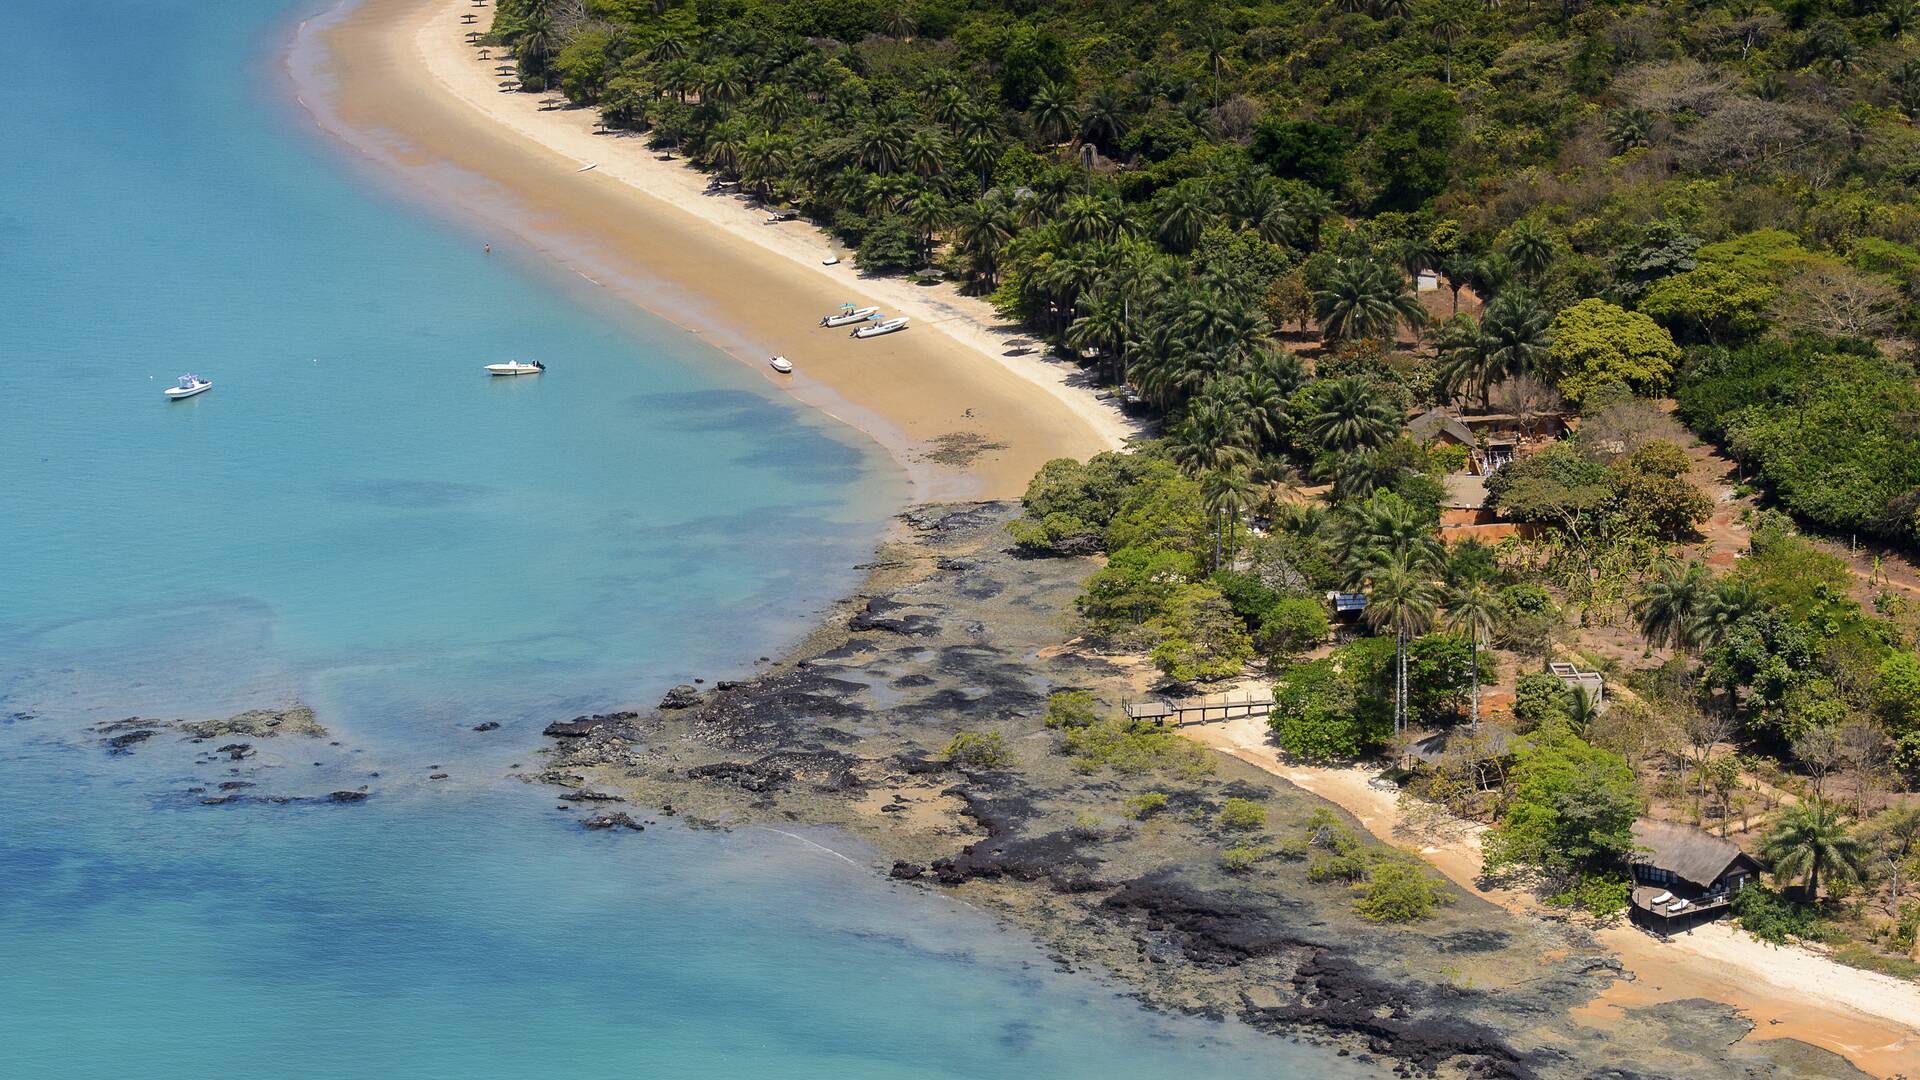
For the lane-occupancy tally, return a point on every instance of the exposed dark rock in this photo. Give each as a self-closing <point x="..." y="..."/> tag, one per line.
<point x="235" y="785"/>
<point x="619" y="724"/>
<point x="236" y="751"/>
<point x="906" y="871"/>
<point x="437" y="776"/>
<point x="680" y="697"/>
<point x="1209" y="928"/>
<point x="347" y="796"/>
<point x="490" y="725"/>
<point x="615" y="820"/>
<point x="120" y="744"/>
<point x="259" y="724"/>
<point x="590" y="796"/>
<point x="750" y="775"/>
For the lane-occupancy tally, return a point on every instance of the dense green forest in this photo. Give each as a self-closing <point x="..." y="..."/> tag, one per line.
<point x="1166" y="186"/>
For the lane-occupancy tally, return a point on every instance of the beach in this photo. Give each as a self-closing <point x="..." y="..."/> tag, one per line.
<point x="1872" y="1020"/>
<point x="968" y="406"/>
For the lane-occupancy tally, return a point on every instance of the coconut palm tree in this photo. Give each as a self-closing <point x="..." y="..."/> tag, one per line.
<point x="926" y="153"/>
<point x="1402" y="595"/>
<point x="1353" y="416"/>
<point x="1530" y="248"/>
<point x="1809" y="839"/>
<point x="981" y="229"/>
<point x="1475" y="609"/>
<point x="1365" y="299"/>
<point x="1104" y="119"/>
<point x="897" y="23"/>
<point x="1227" y="494"/>
<point x="1628" y="127"/>
<point x="1671" y="603"/>
<point x="1216" y="40"/>
<point x="1054" y="116"/>
<point x="1087" y="218"/>
<point x="927" y="212"/>
<point x="881" y="145"/>
<point x="1182" y="212"/>
<point x="1728" y="603"/>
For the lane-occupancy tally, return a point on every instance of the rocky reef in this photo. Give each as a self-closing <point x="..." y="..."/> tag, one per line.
<point x="955" y="632"/>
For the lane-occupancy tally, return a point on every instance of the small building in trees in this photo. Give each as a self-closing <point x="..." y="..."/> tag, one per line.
<point x="1683" y="876"/>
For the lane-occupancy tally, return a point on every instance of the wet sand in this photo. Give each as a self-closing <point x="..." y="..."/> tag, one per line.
<point x="397" y="81"/>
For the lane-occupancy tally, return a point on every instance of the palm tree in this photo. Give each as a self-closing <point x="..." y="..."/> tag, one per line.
<point x="1448" y="25"/>
<point x="1215" y="41"/>
<point x="1104" y="120"/>
<point x="1403" y="596"/>
<point x="981" y="229"/>
<point x="1530" y="248"/>
<point x="1053" y="114"/>
<point x="1227" y="493"/>
<point x="926" y="153"/>
<point x="926" y="212"/>
<point x="1511" y="340"/>
<point x="1353" y="416"/>
<point x="1809" y="839"/>
<point x="1728" y="603"/>
<point x="881" y="145"/>
<point x="1628" y="128"/>
<point x="1101" y="325"/>
<point x="898" y="23"/>
<point x="1671" y="603"/>
<point x="1087" y="218"/>
<point x="1365" y="299"/>
<point x="979" y="154"/>
<point x="1475" y="609"/>
<point x="1183" y="211"/>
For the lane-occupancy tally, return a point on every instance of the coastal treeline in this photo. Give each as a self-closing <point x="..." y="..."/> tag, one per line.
<point x="1162" y="189"/>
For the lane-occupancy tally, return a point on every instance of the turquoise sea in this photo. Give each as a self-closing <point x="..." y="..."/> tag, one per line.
<point x="355" y="517"/>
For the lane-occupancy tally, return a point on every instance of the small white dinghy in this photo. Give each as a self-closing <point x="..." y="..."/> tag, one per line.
<point x="879" y="328"/>
<point x="781" y="364"/>
<point x="516" y="367"/>
<point x="849" y="315"/>
<point x="188" y="386"/>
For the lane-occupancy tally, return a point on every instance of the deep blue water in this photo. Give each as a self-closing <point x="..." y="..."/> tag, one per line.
<point x="357" y="518"/>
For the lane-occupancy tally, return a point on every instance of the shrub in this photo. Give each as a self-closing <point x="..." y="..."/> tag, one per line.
<point x="1142" y="807"/>
<point x="1239" y="860"/>
<point x="1242" y="815"/>
<point x="1600" y="895"/>
<point x="1133" y="749"/>
<point x="1200" y="637"/>
<point x="1769" y="916"/>
<point x="1069" y="709"/>
<point x="1398" y="890"/>
<point x="978" y="750"/>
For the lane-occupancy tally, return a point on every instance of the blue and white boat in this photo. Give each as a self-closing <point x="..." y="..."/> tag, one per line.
<point x="188" y="386"/>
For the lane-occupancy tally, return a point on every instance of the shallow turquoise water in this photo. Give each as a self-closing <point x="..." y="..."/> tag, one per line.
<point x="357" y="518"/>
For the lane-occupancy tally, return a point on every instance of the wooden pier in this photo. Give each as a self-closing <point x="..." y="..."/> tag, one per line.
<point x="1206" y="711"/>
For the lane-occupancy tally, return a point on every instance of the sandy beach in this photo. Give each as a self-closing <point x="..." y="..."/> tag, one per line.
<point x="967" y="405"/>
<point x="1872" y="1020"/>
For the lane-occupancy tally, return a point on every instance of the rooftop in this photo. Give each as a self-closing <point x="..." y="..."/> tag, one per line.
<point x="1689" y="853"/>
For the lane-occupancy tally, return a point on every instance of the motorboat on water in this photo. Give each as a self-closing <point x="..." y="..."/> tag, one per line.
<point x="781" y="364"/>
<point x="887" y="327"/>
<point x="516" y="367"/>
<point x="849" y="315"/>
<point x="188" y="386"/>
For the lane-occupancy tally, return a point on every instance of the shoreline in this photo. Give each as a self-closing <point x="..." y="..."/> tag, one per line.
<point x="1870" y="1019"/>
<point x="963" y="408"/>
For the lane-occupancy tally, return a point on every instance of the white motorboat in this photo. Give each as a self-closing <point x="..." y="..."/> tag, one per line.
<point x="879" y="328"/>
<point x="188" y="386"/>
<point x="516" y="367"/>
<point x="781" y="364"/>
<point x="849" y="315"/>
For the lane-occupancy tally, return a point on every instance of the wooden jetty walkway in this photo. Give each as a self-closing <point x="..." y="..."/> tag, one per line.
<point x="1207" y="710"/>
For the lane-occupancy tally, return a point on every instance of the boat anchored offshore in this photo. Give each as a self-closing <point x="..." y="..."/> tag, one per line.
<point x="188" y="386"/>
<point x="879" y="328"/>
<point x="516" y="367"/>
<point x="850" y="314"/>
<point x="781" y="364"/>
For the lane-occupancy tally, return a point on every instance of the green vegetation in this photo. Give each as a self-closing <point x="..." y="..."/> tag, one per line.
<point x="1569" y="817"/>
<point x="979" y="750"/>
<point x="1142" y="807"/>
<point x="1133" y="749"/>
<point x="1399" y="890"/>
<point x="1242" y="815"/>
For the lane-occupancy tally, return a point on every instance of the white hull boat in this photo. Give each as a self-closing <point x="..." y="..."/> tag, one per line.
<point x="851" y="316"/>
<point x="515" y="367"/>
<point x="188" y="386"/>
<point x="781" y="364"/>
<point x="879" y="328"/>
